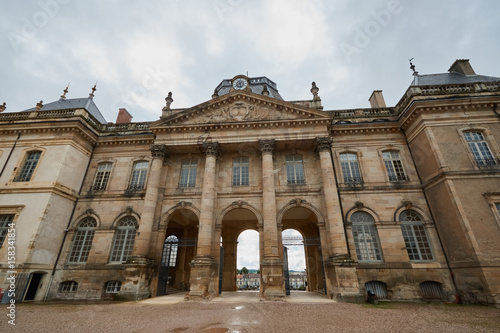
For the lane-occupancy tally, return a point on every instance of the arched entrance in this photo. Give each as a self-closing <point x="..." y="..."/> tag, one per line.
<point x="234" y="222"/>
<point x="178" y="250"/>
<point x="305" y="221"/>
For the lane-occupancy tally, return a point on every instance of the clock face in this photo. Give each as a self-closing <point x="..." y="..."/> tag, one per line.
<point x="240" y="83"/>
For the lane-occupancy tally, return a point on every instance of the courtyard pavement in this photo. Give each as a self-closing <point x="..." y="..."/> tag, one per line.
<point x="244" y="312"/>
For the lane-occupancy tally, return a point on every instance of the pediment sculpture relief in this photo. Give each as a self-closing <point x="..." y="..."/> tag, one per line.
<point x="241" y="111"/>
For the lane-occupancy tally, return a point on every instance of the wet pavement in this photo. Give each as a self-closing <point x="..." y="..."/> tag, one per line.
<point x="245" y="312"/>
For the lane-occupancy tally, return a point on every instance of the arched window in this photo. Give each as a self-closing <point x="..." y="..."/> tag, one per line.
<point x="29" y="165"/>
<point x="124" y="239"/>
<point x="5" y="220"/>
<point x="365" y="237"/>
<point x="83" y="240"/>
<point x="113" y="287"/>
<point x="479" y="148"/>
<point x="379" y="288"/>
<point x="350" y="168"/>
<point x="68" y="287"/>
<point x="139" y="173"/>
<point x="415" y="237"/>
<point x="102" y="176"/>
<point x="294" y="170"/>
<point x="394" y="166"/>
<point x="170" y="247"/>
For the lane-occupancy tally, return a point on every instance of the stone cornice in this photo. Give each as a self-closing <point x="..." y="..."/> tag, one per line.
<point x="354" y="129"/>
<point x="57" y="188"/>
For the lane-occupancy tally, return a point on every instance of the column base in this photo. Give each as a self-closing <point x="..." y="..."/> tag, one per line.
<point x="344" y="285"/>
<point x="203" y="280"/>
<point x="273" y="284"/>
<point x="138" y="274"/>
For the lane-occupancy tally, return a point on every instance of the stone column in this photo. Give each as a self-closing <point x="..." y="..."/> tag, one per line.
<point x="203" y="266"/>
<point x="272" y="265"/>
<point x="334" y="224"/>
<point x="341" y="277"/>
<point x="139" y="268"/>
<point x="143" y="236"/>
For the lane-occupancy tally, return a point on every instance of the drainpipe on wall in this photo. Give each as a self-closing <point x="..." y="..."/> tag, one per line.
<point x="10" y="153"/>
<point x="68" y="225"/>
<point x="457" y="295"/>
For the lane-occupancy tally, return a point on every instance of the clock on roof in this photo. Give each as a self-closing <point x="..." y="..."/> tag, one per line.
<point x="240" y="83"/>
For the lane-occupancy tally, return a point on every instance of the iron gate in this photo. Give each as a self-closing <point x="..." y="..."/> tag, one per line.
<point x="298" y="241"/>
<point x="170" y="249"/>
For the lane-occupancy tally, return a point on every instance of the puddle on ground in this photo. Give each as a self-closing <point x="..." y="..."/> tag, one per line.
<point x="237" y="308"/>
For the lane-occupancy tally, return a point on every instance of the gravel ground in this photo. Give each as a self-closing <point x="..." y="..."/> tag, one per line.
<point x="251" y="317"/>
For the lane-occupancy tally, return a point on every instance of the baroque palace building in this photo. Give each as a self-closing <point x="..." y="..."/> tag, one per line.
<point x="403" y="201"/>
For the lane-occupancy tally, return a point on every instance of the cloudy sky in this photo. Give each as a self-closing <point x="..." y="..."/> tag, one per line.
<point x="138" y="51"/>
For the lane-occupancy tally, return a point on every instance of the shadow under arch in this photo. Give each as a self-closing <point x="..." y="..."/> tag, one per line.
<point x="320" y="220"/>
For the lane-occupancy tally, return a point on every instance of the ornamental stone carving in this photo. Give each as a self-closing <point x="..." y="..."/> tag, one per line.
<point x="159" y="151"/>
<point x="210" y="149"/>
<point x="323" y="144"/>
<point x="267" y="146"/>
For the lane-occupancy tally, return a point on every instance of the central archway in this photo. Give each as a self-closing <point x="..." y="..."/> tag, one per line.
<point x="234" y="221"/>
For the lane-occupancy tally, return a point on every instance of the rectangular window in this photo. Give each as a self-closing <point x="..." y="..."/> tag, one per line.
<point x="240" y="171"/>
<point x="394" y="166"/>
<point x="366" y="242"/>
<point x="102" y="177"/>
<point x="188" y="173"/>
<point x="416" y="242"/>
<point x="479" y="148"/>
<point x="28" y="167"/>
<point x="350" y="168"/>
<point x="294" y="170"/>
<point x="139" y="173"/>
<point x="4" y="226"/>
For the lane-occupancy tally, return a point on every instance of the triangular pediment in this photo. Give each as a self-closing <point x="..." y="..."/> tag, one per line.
<point x="240" y="108"/>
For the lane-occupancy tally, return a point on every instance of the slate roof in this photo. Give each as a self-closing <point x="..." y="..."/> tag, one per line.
<point x="74" y="103"/>
<point x="450" y="78"/>
<point x="256" y="84"/>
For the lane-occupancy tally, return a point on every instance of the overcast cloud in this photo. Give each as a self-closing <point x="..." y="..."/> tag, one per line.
<point x="138" y="51"/>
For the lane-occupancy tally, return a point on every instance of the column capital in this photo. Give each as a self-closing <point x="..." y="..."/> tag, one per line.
<point x="210" y="148"/>
<point x="267" y="146"/>
<point x="323" y="143"/>
<point x="159" y="151"/>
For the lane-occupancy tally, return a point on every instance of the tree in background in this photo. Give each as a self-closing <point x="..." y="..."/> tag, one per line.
<point x="244" y="270"/>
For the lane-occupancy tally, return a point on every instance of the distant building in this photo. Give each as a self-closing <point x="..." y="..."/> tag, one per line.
<point x="248" y="281"/>
<point x="402" y="200"/>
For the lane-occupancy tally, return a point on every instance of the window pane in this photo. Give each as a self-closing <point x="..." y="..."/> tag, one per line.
<point x="479" y="148"/>
<point x="102" y="177"/>
<point x="415" y="237"/>
<point x="365" y="237"/>
<point x="170" y="248"/>
<point x="139" y="173"/>
<point x="28" y="167"/>
<point x="394" y="166"/>
<point x="294" y="169"/>
<point x="124" y="240"/>
<point x="188" y="173"/>
<point x="240" y="171"/>
<point x="4" y="226"/>
<point x="83" y="241"/>
<point x="350" y="168"/>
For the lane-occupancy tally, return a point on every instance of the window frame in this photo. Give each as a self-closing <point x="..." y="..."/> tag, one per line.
<point x="68" y="287"/>
<point x="4" y="226"/>
<point x="100" y="183"/>
<point x="477" y="151"/>
<point x="351" y="179"/>
<point x="85" y="238"/>
<point x="295" y="167"/>
<point x="414" y="243"/>
<point x="393" y="175"/>
<point x="135" y="183"/>
<point x="112" y="287"/>
<point x="243" y="169"/>
<point x="124" y="234"/>
<point x="174" y="248"/>
<point x="363" y="253"/>
<point x="192" y="173"/>
<point x="23" y="165"/>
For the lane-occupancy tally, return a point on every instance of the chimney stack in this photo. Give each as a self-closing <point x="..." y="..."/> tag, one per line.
<point x="123" y="117"/>
<point x="377" y="99"/>
<point x="462" y="66"/>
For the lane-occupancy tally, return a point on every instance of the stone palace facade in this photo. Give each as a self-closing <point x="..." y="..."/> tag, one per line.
<point x="403" y="201"/>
